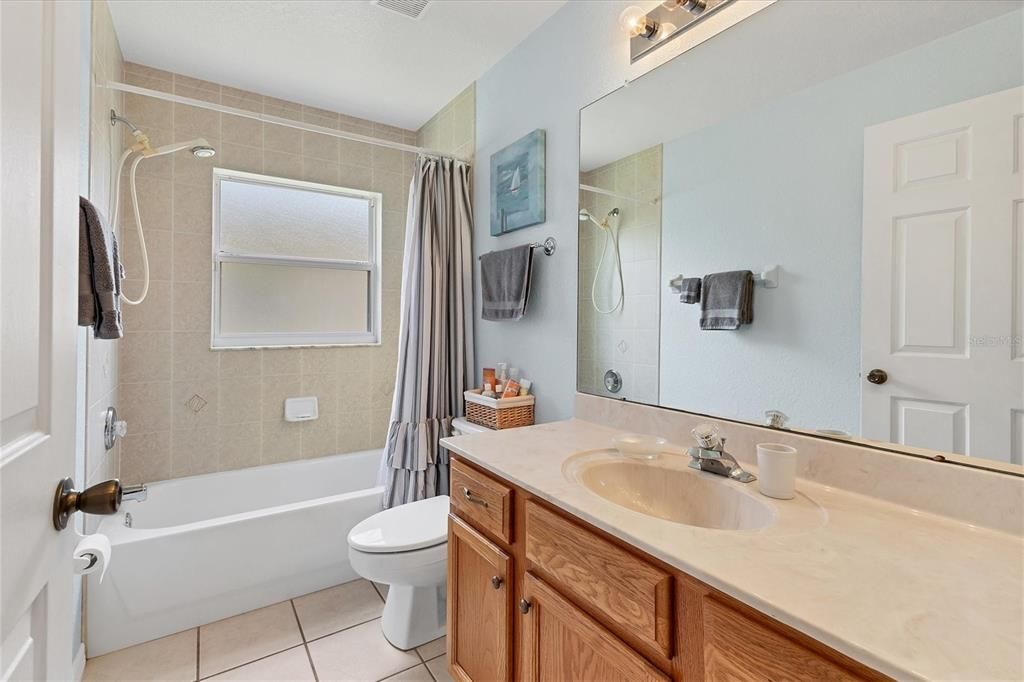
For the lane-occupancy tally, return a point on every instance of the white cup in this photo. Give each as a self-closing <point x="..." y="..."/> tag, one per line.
<point x="776" y="470"/>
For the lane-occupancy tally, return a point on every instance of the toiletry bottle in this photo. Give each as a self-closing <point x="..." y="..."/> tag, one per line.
<point x="524" y="387"/>
<point x="489" y="377"/>
<point x="488" y="391"/>
<point x="511" y="389"/>
<point x="502" y="372"/>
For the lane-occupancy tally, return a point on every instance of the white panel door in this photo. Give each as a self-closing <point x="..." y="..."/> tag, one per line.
<point x="39" y="62"/>
<point x="943" y="278"/>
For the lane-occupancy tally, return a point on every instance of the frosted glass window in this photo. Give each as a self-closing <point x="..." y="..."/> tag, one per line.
<point x="288" y="221"/>
<point x="295" y="263"/>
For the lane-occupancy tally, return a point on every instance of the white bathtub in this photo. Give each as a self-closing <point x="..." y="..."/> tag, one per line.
<point x="207" y="547"/>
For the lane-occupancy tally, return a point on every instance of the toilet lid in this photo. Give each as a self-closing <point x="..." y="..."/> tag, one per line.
<point x="400" y="529"/>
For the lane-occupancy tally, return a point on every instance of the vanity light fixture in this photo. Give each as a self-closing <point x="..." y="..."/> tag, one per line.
<point x="651" y="29"/>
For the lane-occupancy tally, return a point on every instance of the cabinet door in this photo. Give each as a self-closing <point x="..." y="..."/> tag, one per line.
<point x="479" y="606"/>
<point x="561" y="643"/>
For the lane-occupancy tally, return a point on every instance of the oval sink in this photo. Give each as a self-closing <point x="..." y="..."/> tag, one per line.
<point x="667" y="489"/>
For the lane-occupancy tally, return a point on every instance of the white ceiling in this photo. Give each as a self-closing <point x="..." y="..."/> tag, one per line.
<point x="350" y="56"/>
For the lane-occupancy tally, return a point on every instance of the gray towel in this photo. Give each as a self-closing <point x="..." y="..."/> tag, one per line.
<point x="99" y="275"/>
<point x="505" y="282"/>
<point x="689" y="290"/>
<point x="727" y="300"/>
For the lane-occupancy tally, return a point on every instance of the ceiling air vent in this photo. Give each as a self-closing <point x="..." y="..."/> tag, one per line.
<point x="408" y="8"/>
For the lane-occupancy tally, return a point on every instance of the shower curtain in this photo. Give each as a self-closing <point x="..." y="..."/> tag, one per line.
<point x="435" y="345"/>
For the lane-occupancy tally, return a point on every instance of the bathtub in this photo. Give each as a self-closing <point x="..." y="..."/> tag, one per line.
<point x="207" y="547"/>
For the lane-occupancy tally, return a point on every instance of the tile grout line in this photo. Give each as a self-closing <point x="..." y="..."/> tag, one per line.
<point x="255" y="660"/>
<point x="344" y="629"/>
<point x="305" y="644"/>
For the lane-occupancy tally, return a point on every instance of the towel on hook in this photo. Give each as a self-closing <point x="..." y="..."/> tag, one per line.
<point x="689" y="290"/>
<point x="727" y="300"/>
<point x="99" y="275"/>
<point x="505" y="282"/>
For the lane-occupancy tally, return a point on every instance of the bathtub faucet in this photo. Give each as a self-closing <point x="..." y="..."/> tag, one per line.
<point x="136" y="493"/>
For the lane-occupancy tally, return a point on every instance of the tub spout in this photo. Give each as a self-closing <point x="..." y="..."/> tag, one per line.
<point x="137" y="493"/>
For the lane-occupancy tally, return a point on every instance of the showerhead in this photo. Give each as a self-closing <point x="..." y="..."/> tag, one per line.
<point x="199" y="147"/>
<point x="586" y="215"/>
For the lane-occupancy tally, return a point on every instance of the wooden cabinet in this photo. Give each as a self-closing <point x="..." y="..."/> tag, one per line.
<point x="560" y="600"/>
<point x="479" y="606"/>
<point x="559" y="642"/>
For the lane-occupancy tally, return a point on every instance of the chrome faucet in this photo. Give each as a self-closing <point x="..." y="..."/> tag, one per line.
<point x="710" y="456"/>
<point x="134" y="493"/>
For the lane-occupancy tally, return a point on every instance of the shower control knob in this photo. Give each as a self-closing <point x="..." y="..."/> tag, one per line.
<point x="877" y="377"/>
<point x="497" y="581"/>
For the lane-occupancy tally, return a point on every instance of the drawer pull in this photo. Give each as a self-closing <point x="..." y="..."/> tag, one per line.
<point x="473" y="498"/>
<point x="524" y="606"/>
<point x="497" y="581"/>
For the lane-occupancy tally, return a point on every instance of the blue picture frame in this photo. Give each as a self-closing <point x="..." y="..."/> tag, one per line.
<point x="517" y="184"/>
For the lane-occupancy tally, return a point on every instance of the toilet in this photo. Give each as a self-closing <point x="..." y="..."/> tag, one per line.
<point x="406" y="548"/>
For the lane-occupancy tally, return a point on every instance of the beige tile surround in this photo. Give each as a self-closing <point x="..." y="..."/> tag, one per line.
<point x="976" y="496"/>
<point x="333" y="634"/>
<point x="165" y="359"/>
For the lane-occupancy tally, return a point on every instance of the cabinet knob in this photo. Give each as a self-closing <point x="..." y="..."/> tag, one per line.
<point x="877" y="376"/>
<point x="496" y="582"/>
<point x="524" y="606"/>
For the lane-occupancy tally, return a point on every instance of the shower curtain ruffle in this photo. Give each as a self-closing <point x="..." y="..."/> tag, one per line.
<point x="435" y="340"/>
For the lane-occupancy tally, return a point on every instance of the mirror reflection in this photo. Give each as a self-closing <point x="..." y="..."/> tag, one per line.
<point x="834" y="245"/>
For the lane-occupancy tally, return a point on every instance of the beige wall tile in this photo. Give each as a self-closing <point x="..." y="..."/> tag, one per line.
<point x="274" y="391"/>
<point x="242" y="422"/>
<point x="191" y="312"/>
<point x="239" y="445"/>
<point x="239" y="400"/>
<point x="146" y="407"/>
<point x="144" y="357"/>
<point x="194" y="451"/>
<point x="194" y="404"/>
<point x="193" y="358"/>
<point x="146" y="457"/>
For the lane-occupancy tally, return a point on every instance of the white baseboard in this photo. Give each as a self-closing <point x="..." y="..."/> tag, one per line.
<point x="78" y="664"/>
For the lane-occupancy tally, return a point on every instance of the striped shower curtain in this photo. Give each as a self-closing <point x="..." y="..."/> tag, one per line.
<point x="435" y="345"/>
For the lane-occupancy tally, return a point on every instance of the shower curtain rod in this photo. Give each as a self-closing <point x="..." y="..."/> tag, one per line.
<point x="598" y="190"/>
<point x="277" y="120"/>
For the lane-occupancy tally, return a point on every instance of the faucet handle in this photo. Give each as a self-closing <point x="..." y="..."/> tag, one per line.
<point x="707" y="436"/>
<point x="775" y="419"/>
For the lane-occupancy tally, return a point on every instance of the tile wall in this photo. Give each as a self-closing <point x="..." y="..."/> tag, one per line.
<point x="625" y="340"/>
<point x="192" y="410"/>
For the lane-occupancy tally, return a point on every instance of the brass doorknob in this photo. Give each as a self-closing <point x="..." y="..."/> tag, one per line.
<point x="103" y="498"/>
<point x="877" y="376"/>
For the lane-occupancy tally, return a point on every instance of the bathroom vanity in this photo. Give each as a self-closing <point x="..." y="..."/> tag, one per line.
<point x="554" y="574"/>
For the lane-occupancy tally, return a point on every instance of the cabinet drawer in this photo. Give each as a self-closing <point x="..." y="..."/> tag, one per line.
<point x="621" y="586"/>
<point x="737" y="647"/>
<point x="483" y="500"/>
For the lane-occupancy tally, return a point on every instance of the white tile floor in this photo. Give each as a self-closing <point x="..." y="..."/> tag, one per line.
<point x="329" y="635"/>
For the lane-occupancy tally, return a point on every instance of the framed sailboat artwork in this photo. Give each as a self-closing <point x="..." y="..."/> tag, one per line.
<point x="517" y="184"/>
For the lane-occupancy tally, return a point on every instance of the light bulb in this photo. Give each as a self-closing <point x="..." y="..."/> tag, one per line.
<point x="634" y="21"/>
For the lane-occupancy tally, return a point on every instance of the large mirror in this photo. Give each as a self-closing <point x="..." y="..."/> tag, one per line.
<point x="833" y="243"/>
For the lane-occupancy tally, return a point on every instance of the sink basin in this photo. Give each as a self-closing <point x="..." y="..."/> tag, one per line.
<point x="667" y="489"/>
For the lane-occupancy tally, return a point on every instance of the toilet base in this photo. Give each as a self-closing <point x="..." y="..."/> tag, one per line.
<point x="413" y="615"/>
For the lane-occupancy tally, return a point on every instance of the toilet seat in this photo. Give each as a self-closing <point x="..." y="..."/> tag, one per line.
<point x="414" y="526"/>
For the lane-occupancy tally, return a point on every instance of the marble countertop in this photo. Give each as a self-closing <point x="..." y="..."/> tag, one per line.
<point x="910" y="594"/>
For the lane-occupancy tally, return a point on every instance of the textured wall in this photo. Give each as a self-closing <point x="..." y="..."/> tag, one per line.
<point x="165" y="357"/>
<point x="625" y="340"/>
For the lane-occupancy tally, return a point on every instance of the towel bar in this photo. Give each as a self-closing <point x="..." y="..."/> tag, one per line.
<point x="767" y="278"/>
<point x="549" y="246"/>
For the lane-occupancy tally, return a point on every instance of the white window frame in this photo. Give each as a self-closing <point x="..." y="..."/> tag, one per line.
<point x="220" y="340"/>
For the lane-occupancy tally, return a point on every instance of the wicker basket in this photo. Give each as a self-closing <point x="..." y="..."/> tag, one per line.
<point x="499" y="413"/>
